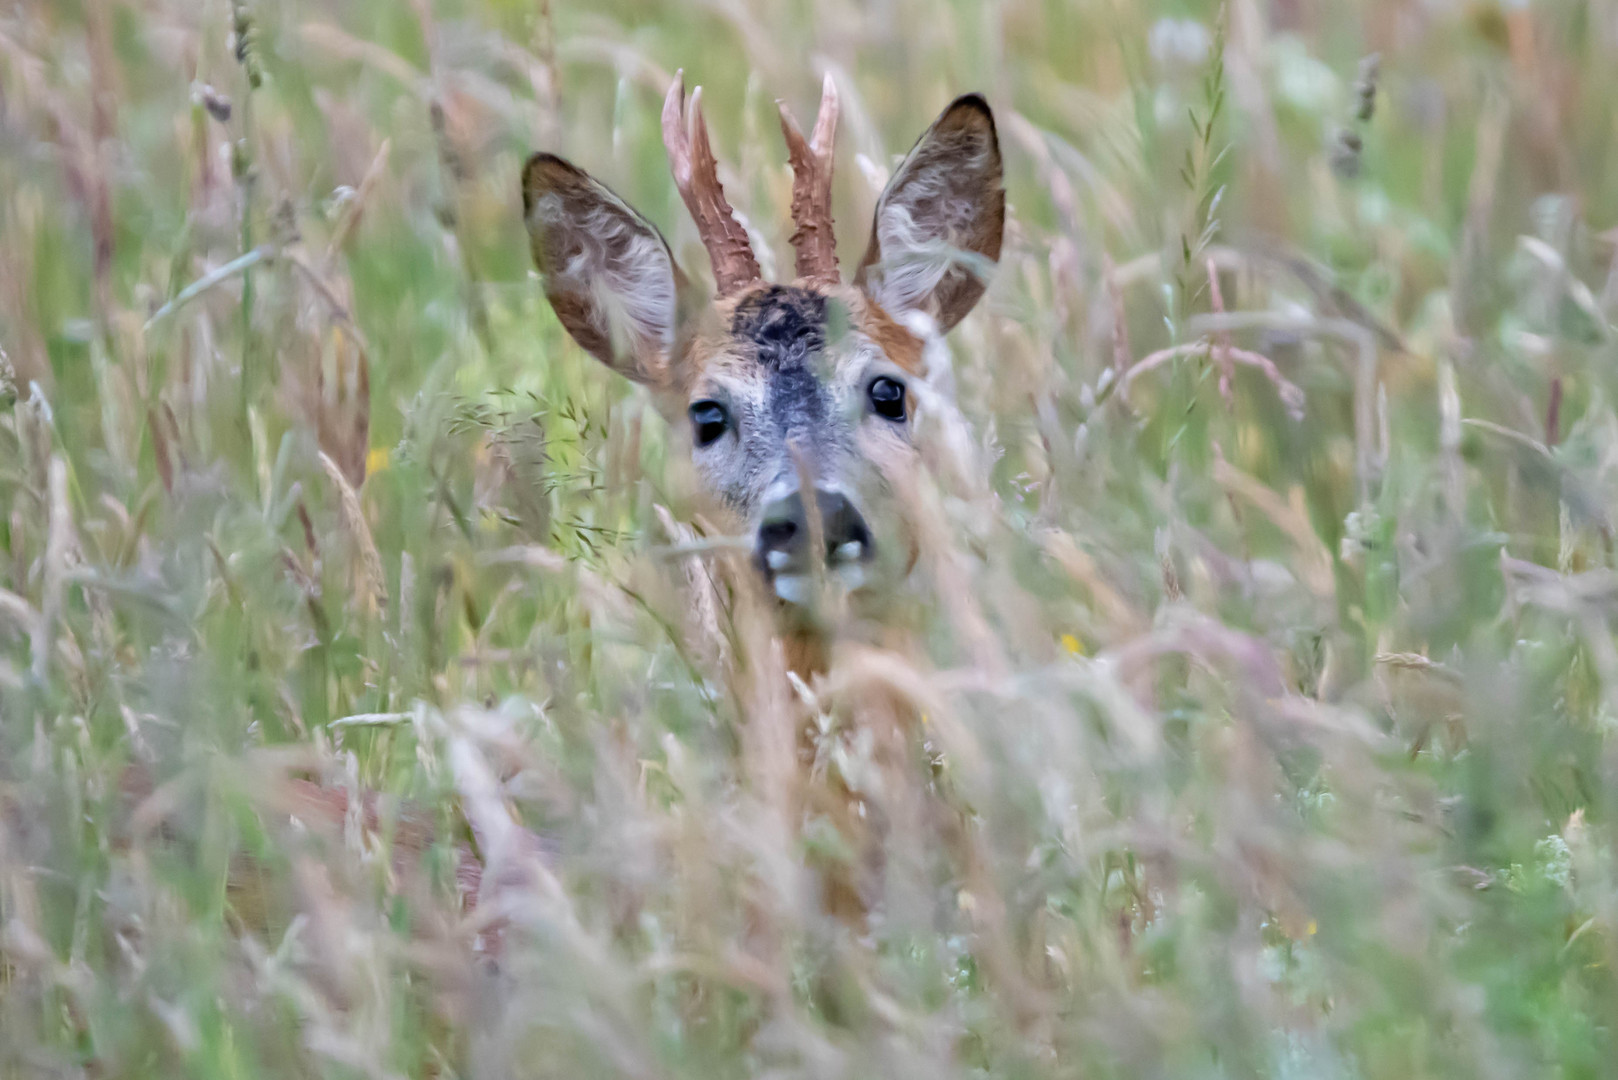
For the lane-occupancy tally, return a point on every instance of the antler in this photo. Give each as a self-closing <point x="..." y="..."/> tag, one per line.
<point x="813" y="240"/>
<point x="696" y="174"/>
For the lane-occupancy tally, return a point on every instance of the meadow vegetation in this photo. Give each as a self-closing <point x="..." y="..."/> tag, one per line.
<point x="1261" y="646"/>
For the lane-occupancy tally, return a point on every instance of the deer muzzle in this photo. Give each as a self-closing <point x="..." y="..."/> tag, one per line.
<point x="790" y="552"/>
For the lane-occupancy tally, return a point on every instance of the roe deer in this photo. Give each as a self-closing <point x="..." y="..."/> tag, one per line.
<point x="798" y="397"/>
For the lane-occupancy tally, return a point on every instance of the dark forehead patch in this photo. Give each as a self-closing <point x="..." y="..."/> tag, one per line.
<point x="786" y="325"/>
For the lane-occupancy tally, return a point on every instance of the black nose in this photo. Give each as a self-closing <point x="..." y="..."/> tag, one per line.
<point x="783" y="536"/>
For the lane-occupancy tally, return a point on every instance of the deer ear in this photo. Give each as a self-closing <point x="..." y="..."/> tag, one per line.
<point x="939" y="223"/>
<point x="608" y="272"/>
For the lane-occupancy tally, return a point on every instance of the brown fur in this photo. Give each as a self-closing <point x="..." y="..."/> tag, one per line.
<point x="900" y="345"/>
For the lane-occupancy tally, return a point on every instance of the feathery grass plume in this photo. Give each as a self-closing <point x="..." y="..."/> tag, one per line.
<point x="343" y="401"/>
<point x="60" y="544"/>
<point x="245" y="44"/>
<point x="8" y="379"/>
<point x="370" y="586"/>
<point x="1203" y="159"/>
<point x="34" y="422"/>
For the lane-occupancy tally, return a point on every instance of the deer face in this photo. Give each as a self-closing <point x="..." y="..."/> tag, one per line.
<point x="799" y="400"/>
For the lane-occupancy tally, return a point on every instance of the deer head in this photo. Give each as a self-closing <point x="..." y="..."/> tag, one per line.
<point x="798" y="398"/>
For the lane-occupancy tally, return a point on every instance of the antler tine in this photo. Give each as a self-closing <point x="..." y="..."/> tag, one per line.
<point x="814" y="240"/>
<point x="696" y="174"/>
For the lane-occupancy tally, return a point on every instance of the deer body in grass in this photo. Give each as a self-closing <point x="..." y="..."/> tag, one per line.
<point x="799" y="397"/>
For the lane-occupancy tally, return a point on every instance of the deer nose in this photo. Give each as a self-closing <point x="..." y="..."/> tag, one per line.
<point x="783" y="535"/>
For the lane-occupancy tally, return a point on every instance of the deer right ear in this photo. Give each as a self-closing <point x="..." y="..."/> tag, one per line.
<point x="608" y="272"/>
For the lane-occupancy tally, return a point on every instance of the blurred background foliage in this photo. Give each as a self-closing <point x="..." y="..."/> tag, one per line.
<point x="1264" y="669"/>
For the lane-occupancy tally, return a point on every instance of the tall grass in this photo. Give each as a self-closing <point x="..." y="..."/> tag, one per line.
<point x="1261" y="651"/>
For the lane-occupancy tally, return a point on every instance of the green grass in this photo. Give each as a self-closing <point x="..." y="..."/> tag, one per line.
<point x="1253" y="745"/>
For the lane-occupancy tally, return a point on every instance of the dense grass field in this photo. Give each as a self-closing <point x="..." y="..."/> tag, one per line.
<point x="1260" y="654"/>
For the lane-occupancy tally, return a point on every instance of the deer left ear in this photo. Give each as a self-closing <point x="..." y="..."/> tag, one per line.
<point x="940" y="221"/>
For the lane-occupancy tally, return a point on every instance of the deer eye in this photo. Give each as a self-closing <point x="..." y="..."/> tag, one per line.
<point x="887" y="398"/>
<point x="709" y="421"/>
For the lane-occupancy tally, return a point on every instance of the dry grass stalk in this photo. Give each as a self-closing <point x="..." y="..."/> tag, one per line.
<point x="343" y="413"/>
<point x="1292" y="517"/>
<point x="60" y="547"/>
<point x="1122" y="356"/>
<point x="20" y="612"/>
<point x="1291" y="394"/>
<point x="702" y="621"/>
<point x="354" y="208"/>
<point x="370" y="586"/>
<point x="1354" y="334"/>
<point x="1222" y="352"/>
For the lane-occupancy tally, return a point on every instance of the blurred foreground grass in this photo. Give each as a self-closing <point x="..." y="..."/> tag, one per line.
<point x="1280" y="712"/>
